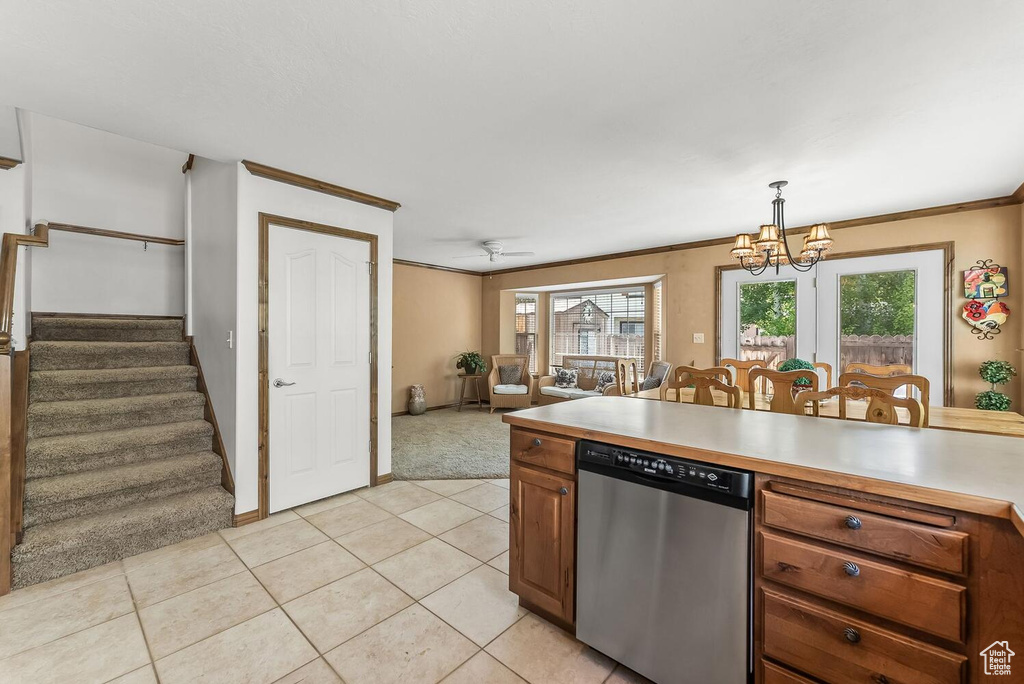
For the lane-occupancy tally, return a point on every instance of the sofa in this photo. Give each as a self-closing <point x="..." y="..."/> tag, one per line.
<point x="515" y="394"/>
<point x="590" y="369"/>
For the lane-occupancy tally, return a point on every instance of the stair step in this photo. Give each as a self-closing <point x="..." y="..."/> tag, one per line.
<point x="110" y="329"/>
<point x="51" y="499"/>
<point x="93" y="355"/>
<point x="61" y="548"/>
<point x="110" y="383"/>
<point x="66" y="454"/>
<point x="48" y="418"/>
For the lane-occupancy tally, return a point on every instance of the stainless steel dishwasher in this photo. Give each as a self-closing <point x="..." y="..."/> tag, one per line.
<point x="663" y="565"/>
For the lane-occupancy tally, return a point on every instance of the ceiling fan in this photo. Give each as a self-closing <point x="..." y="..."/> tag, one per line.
<point x="495" y="251"/>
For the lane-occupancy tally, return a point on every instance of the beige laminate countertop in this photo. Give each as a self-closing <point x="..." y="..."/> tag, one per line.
<point x="975" y="473"/>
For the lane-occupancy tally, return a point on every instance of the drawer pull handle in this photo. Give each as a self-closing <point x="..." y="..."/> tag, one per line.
<point x="536" y="441"/>
<point x="852" y="635"/>
<point x="563" y="491"/>
<point x="853" y="522"/>
<point x="851" y="568"/>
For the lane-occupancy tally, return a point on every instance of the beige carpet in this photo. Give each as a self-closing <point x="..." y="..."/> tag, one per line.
<point x="448" y="445"/>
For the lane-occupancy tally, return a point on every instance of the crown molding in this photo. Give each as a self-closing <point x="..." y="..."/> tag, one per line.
<point x="417" y="264"/>
<point x="1009" y="200"/>
<point x="281" y="176"/>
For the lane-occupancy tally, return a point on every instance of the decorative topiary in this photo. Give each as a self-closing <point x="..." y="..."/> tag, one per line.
<point x="995" y="373"/>
<point x="797" y="364"/>
<point x="990" y="400"/>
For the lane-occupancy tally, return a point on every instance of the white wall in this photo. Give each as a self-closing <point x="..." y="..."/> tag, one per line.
<point x="214" y="221"/>
<point x="87" y="177"/>
<point x="257" y="195"/>
<point x="10" y="139"/>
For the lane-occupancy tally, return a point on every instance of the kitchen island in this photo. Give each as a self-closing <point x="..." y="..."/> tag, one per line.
<point x="880" y="553"/>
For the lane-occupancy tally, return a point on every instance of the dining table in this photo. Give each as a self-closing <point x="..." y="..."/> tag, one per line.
<point x="956" y="418"/>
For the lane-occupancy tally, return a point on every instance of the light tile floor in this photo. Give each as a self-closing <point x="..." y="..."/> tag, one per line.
<point x="406" y="582"/>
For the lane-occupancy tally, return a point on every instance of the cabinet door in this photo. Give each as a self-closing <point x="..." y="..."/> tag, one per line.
<point x="542" y="544"/>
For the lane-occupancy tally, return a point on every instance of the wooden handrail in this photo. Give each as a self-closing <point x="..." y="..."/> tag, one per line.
<point x="102" y="232"/>
<point x="41" y="238"/>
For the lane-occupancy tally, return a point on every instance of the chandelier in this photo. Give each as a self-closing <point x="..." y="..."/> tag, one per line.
<point x="770" y="247"/>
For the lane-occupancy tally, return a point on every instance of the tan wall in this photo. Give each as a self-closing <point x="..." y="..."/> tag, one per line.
<point x="436" y="316"/>
<point x="689" y="299"/>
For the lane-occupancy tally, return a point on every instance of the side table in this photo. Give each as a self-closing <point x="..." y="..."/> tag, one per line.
<point x="479" y="394"/>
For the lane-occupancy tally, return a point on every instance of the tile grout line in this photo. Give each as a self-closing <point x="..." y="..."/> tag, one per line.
<point x="142" y="629"/>
<point x="277" y="606"/>
<point x="77" y="631"/>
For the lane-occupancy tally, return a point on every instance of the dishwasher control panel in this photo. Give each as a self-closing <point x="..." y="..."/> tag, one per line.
<point x="669" y="468"/>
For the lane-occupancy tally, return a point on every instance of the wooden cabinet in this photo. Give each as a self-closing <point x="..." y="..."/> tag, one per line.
<point x="855" y="589"/>
<point x="542" y="533"/>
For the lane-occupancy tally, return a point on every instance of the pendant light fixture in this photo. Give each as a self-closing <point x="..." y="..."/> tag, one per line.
<point x="769" y="248"/>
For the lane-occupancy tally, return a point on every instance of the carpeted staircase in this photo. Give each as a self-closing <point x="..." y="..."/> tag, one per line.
<point x="118" y="458"/>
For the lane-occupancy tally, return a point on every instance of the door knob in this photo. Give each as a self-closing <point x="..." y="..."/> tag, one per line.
<point x="563" y="491"/>
<point x="281" y="383"/>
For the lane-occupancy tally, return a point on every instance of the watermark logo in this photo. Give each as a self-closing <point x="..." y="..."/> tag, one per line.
<point x="997" y="658"/>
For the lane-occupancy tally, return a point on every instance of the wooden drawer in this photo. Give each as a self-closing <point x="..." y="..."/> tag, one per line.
<point x="542" y="450"/>
<point x="930" y="547"/>
<point x="913" y="599"/>
<point x="833" y="647"/>
<point x="775" y="674"/>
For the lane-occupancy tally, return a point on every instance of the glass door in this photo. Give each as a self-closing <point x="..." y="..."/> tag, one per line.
<point x="884" y="310"/>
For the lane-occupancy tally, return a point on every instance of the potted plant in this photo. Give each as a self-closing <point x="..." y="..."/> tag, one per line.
<point x="470" y="363"/>
<point x="802" y="383"/>
<point x="994" y="373"/>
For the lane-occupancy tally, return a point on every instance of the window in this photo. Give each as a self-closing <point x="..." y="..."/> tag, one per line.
<point x="876" y="318"/>
<point x="768" y="321"/>
<point x="657" y="337"/>
<point x="526" y="328"/>
<point x="600" y="323"/>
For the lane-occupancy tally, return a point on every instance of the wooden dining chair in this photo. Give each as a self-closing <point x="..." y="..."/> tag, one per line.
<point x="889" y="384"/>
<point x="683" y="376"/>
<point x="702" y="395"/>
<point x="881" y="405"/>
<point x="827" y="367"/>
<point x="782" y="387"/>
<point x="742" y="370"/>
<point x="872" y="369"/>
<point x="627" y="377"/>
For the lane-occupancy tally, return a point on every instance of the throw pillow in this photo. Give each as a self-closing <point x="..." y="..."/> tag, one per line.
<point x="604" y="380"/>
<point x="566" y="377"/>
<point x="651" y="382"/>
<point x="510" y="375"/>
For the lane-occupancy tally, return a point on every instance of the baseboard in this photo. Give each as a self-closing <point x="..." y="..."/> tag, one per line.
<point x="246" y="518"/>
<point x="385" y="478"/>
<point x="443" y="406"/>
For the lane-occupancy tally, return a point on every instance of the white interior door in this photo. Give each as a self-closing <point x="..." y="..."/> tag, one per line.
<point x="318" y="365"/>
<point x="868" y="307"/>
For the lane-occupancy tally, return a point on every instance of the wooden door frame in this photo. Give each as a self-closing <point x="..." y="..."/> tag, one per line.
<point x="948" y="250"/>
<point x="265" y="221"/>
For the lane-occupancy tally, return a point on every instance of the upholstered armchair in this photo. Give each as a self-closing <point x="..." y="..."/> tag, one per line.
<point x="510" y="392"/>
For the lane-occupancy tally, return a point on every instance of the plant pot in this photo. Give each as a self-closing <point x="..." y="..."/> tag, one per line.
<point x="797" y="389"/>
<point x="417" y="400"/>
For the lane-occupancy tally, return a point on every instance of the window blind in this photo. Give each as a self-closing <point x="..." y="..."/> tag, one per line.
<point x="657" y="337"/>
<point x="526" y="328"/>
<point x="601" y="323"/>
